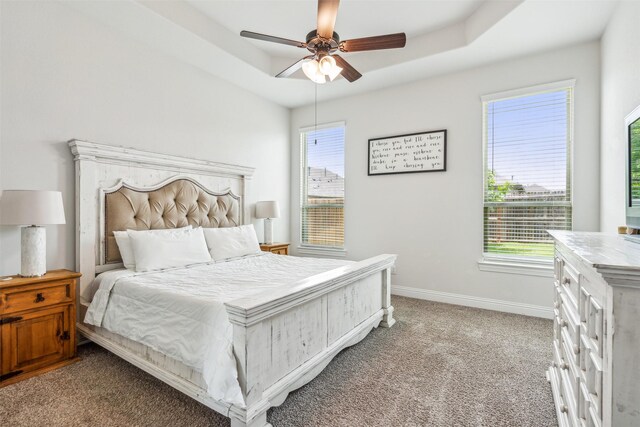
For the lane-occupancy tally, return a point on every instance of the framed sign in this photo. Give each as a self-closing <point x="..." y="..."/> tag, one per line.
<point x="414" y="152"/>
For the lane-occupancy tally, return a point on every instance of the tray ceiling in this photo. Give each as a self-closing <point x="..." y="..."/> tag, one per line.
<point x="442" y="36"/>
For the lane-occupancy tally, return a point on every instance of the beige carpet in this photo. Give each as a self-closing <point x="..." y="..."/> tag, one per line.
<point x="440" y="365"/>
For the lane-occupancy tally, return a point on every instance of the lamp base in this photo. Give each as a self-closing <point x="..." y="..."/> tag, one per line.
<point x="268" y="231"/>
<point x="33" y="251"/>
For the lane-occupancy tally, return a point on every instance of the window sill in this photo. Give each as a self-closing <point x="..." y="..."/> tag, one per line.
<point x="322" y="251"/>
<point x="515" y="265"/>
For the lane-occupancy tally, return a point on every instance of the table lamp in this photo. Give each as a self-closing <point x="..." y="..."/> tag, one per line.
<point x="32" y="208"/>
<point x="268" y="210"/>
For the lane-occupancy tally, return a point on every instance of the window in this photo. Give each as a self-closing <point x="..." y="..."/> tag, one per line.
<point x="527" y="169"/>
<point x="322" y="189"/>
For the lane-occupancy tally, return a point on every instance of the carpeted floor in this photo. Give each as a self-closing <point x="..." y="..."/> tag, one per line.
<point x="440" y="365"/>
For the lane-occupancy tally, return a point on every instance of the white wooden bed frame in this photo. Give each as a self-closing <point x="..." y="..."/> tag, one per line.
<point x="282" y="340"/>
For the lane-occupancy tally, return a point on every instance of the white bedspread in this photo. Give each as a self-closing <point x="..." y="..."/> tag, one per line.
<point x="180" y="312"/>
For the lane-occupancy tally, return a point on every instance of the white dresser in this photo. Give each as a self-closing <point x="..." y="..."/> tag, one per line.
<point x="595" y="371"/>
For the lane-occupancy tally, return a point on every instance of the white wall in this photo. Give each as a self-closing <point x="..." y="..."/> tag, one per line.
<point x="433" y="221"/>
<point x="64" y="76"/>
<point x="620" y="95"/>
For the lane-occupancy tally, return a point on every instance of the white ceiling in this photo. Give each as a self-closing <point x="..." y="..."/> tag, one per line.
<point x="356" y="18"/>
<point x="442" y="36"/>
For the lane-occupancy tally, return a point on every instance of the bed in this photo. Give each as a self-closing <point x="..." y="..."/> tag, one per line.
<point x="281" y="331"/>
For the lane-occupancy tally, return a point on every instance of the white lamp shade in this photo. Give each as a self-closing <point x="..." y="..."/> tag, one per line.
<point x="267" y="209"/>
<point x="31" y="207"/>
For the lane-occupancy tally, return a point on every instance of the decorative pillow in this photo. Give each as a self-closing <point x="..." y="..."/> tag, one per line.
<point x="231" y="242"/>
<point x="124" y="244"/>
<point x="166" y="250"/>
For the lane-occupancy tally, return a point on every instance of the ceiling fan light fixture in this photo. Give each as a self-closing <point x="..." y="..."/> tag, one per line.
<point x="311" y="69"/>
<point x="327" y="64"/>
<point x="335" y="72"/>
<point x="324" y="43"/>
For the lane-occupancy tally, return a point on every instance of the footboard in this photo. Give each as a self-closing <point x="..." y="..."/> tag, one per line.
<point x="283" y="339"/>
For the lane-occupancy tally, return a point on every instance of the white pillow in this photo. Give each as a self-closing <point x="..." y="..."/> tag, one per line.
<point x="166" y="250"/>
<point x="124" y="244"/>
<point x="231" y="242"/>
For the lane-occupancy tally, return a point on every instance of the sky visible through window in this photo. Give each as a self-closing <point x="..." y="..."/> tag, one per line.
<point x="328" y="152"/>
<point x="527" y="140"/>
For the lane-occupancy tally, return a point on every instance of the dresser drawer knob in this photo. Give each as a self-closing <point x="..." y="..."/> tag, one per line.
<point x="566" y="280"/>
<point x="563" y="323"/>
<point x="576" y="349"/>
<point x="556" y="304"/>
<point x="39" y="297"/>
<point x="564" y="409"/>
<point x="564" y="366"/>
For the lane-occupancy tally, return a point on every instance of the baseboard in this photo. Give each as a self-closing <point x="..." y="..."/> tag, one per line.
<point x="82" y="340"/>
<point x="477" y="302"/>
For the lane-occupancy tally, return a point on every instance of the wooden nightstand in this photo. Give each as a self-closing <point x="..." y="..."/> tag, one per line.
<point x="276" y="248"/>
<point x="37" y="324"/>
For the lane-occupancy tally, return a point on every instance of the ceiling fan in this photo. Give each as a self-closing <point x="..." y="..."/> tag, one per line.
<point x="323" y="42"/>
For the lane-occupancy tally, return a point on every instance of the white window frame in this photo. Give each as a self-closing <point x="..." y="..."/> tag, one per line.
<point x="512" y="263"/>
<point x="305" y="248"/>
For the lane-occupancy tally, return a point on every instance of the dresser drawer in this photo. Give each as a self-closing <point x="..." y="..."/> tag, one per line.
<point x="557" y="325"/>
<point x="595" y="325"/>
<point x="557" y="295"/>
<point x="570" y="350"/>
<point x="572" y="370"/>
<point x="17" y="299"/>
<point x="557" y="356"/>
<point x="594" y="384"/>
<point x="556" y="390"/>
<point x="557" y="268"/>
<point x="569" y="395"/>
<point x="570" y="283"/>
<point x="585" y="348"/>
<point x="593" y="420"/>
<point x="570" y="321"/>
<point x="584" y="403"/>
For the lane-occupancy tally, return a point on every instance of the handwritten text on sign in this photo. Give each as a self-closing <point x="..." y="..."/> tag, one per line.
<point x="421" y="152"/>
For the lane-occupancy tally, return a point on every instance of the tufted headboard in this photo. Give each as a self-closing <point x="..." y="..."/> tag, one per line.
<point x="174" y="204"/>
<point x="120" y="188"/>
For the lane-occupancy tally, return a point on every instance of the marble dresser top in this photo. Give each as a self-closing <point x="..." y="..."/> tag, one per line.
<point x="601" y="250"/>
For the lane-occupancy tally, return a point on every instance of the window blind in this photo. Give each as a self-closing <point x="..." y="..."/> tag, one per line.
<point x="634" y="164"/>
<point x="527" y="178"/>
<point x="322" y="186"/>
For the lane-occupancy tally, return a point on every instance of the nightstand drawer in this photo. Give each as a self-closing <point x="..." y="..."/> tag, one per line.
<point x="17" y="299"/>
<point x="275" y="248"/>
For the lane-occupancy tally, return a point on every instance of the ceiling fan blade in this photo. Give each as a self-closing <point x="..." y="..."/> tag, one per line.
<point x="293" y="68"/>
<point x="348" y="72"/>
<point x="327" y="12"/>
<point x="273" y="39"/>
<point x="389" y="41"/>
